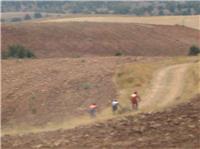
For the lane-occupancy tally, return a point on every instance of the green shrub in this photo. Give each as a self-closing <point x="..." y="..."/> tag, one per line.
<point x="17" y="51"/>
<point x="194" y="50"/>
<point x="119" y="53"/>
<point x="37" y="15"/>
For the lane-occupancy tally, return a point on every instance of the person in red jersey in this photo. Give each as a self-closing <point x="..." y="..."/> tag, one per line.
<point x="135" y="98"/>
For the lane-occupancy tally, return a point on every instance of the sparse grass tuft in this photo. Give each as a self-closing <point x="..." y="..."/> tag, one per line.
<point x="33" y="111"/>
<point x="86" y="85"/>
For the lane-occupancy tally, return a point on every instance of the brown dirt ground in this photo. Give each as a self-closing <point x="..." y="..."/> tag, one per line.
<point x="36" y="92"/>
<point x="74" y="39"/>
<point x="176" y="128"/>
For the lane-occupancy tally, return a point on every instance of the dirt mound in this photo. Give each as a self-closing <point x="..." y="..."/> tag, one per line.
<point x="174" y="128"/>
<point x="74" y="39"/>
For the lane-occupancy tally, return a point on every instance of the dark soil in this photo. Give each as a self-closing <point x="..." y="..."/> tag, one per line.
<point x="177" y="128"/>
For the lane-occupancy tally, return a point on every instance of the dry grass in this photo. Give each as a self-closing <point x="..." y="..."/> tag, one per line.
<point x="189" y="21"/>
<point x="138" y="77"/>
<point x="192" y="85"/>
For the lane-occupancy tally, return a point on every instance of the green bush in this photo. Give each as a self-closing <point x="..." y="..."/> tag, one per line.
<point x="119" y="53"/>
<point x="17" y="51"/>
<point x="37" y="15"/>
<point x="194" y="50"/>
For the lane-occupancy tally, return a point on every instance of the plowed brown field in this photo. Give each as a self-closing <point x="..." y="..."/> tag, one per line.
<point x="75" y="39"/>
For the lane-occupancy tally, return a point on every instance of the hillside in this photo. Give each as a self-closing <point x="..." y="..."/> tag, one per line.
<point x="75" y="39"/>
<point x="174" y="128"/>
<point x="55" y="93"/>
<point x="55" y="90"/>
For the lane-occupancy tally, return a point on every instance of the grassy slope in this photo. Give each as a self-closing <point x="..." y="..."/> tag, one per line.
<point x="192" y="82"/>
<point x="138" y="77"/>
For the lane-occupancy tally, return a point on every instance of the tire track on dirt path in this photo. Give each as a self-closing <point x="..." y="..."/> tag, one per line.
<point x="166" y="87"/>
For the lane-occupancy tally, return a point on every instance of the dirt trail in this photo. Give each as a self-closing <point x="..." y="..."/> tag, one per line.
<point x="167" y="86"/>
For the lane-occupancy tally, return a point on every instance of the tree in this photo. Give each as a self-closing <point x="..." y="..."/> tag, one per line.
<point x="37" y="15"/>
<point x="161" y="13"/>
<point x="194" y="51"/>
<point x="27" y="17"/>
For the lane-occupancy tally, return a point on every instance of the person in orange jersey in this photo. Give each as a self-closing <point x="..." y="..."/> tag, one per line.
<point x="92" y="110"/>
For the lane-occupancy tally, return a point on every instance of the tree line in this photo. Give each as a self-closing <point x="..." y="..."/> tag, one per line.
<point x="152" y="8"/>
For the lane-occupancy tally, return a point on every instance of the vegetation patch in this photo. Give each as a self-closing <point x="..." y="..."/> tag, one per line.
<point x="194" y="50"/>
<point x="86" y="85"/>
<point x="17" y="51"/>
<point x="119" y="53"/>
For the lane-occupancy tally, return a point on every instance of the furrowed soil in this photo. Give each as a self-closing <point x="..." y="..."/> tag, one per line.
<point x="174" y="128"/>
<point x="76" y="39"/>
